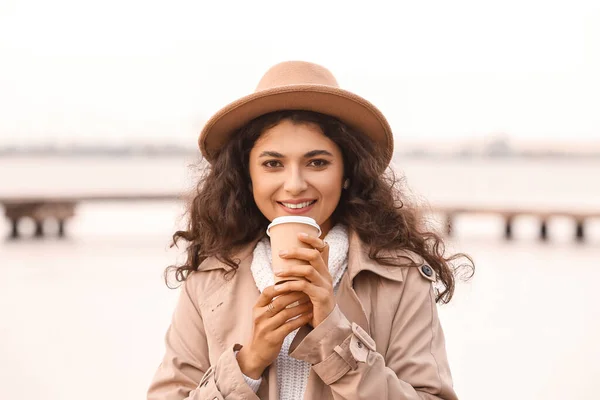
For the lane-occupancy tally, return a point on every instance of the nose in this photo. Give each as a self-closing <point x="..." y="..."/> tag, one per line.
<point x="295" y="182"/>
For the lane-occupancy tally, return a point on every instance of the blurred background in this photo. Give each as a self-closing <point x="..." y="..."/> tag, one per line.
<point x="495" y="108"/>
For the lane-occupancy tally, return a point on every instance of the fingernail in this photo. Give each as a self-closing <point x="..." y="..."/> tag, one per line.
<point x="294" y="304"/>
<point x="283" y="253"/>
<point x="302" y="234"/>
<point x="277" y="286"/>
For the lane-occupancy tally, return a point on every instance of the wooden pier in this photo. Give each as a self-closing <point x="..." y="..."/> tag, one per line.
<point x="510" y="214"/>
<point x="41" y="209"/>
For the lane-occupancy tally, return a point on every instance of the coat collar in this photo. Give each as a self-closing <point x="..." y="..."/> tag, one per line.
<point x="358" y="259"/>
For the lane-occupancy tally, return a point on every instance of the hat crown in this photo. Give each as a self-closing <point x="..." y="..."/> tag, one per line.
<point x="296" y="73"/>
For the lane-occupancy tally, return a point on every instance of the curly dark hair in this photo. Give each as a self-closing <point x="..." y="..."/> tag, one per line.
<point x="222" y="215"/>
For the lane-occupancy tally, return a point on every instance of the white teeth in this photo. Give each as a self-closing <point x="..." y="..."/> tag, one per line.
<point x="301" y="205"/>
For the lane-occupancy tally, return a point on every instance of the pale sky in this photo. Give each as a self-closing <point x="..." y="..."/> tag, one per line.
<point x="126" y="70"/>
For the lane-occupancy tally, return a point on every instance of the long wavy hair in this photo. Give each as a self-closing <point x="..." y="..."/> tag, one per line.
<point x="222" y="216"/>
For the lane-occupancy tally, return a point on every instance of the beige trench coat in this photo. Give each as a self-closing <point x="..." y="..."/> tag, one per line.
<point x="382" y="341"/>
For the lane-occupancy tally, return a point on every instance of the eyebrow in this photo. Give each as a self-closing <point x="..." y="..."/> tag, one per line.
<point x="310" y="154"/>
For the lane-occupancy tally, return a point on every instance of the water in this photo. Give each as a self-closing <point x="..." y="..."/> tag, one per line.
<point x="86" y="316"/>
<point x="539" y="184"/>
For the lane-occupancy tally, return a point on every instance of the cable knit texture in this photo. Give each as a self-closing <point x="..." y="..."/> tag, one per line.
<point x="292" y="374"/>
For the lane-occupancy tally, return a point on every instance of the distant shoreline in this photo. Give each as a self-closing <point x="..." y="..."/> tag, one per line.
<point x="179" y="151"/>
<point x="498" y="146"/>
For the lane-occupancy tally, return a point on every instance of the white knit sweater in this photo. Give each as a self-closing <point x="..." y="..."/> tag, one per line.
<point x="292" y="374"/>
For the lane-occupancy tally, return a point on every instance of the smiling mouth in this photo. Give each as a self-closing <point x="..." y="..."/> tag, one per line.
<point x="299" y="206"/>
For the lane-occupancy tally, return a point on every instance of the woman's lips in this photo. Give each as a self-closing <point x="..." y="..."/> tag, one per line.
<point x="297" y="211"/>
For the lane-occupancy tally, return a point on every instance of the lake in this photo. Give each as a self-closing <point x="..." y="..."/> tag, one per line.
<point x="86" y="316"/>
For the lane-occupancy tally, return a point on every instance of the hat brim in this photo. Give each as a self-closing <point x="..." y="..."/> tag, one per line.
<point x="353" y="110"/>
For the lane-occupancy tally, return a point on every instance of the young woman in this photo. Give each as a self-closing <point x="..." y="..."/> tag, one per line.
<point x="363" y="324"/>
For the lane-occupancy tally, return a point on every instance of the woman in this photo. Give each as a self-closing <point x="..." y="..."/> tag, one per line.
<point x="363" y="323"/>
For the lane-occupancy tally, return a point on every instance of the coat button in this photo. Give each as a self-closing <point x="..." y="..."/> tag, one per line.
<point x="427" y="270"/>
<point x="359" y="344"/>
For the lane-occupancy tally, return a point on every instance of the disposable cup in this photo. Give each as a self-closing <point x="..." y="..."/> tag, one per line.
<point x="283" y="232"/>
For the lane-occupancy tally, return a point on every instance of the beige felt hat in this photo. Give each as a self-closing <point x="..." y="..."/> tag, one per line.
<point x="298" y="85"/>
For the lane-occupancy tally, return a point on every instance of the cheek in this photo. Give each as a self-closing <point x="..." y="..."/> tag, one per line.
<point x="263" y="189"/>
<point x="333" y="197"/>
<point x="331" y="193"/>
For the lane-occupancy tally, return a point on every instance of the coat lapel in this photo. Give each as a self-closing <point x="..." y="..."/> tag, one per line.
<point x="358" y="261"/>
<point x="350" y="305"/>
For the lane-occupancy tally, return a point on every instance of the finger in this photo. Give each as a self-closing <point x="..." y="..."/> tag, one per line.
<point x="321" y="245"/>
<point x="300" y="253"/>
<point x="286" y="314"/>
<point x="301" y="285"/>
<point x="283" y="301"/>
<point x="313" y="241"/>
<point x="291" y="325"/>
<point x="312" y="256"/>
<point x="306" y="271"/>
<point x="325" y="256"/>
<point x="266" y="296"/>
<point x="299" y="298"/>
<point x="289" y="298"/>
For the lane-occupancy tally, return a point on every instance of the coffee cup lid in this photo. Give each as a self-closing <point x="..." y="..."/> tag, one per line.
<point x="294" y="219"/>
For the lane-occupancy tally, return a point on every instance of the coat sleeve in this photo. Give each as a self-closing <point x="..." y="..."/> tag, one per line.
<point x="185" y="371"/>
<point x="415" y="367"/>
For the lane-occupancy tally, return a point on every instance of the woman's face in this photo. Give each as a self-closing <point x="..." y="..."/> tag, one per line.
<point x="296" y="170"/>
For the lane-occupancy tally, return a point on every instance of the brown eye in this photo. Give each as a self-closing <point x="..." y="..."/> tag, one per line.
<point x="271" y="164"/>
<point x="319" y="163"/>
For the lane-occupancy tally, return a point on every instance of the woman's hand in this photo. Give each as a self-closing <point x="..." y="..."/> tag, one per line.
<point x="271" y="325"/>
<point x="318" y="284"/>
